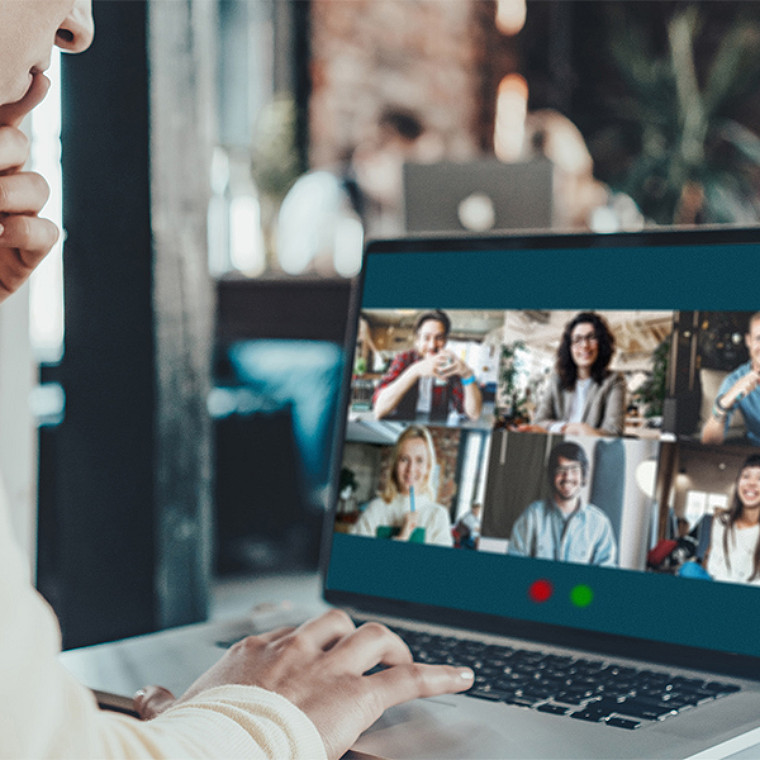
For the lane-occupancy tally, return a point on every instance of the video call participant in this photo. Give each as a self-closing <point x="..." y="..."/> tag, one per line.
<point x="428" y="380"/>
<point x="468" y="527"/>
<point x="563" y="527"/>
<point x="734" y="553"/>
<point x="406" y="509"/>
<point x="285" y="694"/>
<point x="739" y="391"/>
<point x="583" y="397"/>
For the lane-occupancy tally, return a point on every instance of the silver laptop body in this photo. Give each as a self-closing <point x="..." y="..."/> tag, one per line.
<point x="646" y="613"/>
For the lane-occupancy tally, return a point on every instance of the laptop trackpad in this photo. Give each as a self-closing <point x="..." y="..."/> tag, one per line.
<point x="436" y="727"/>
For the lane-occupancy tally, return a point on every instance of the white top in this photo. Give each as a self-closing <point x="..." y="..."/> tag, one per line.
<point x="45" y="712"/>
<point x="737" y="567"/>
<point x="431" y="516"/>
<point x="579" y="400"/>
<point x="580" y="392"/>
<point x="425" y="395"/>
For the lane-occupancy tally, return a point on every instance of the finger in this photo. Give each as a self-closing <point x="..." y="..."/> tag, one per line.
<point x="369" y="645"/>
<point x="277" y="633"/>
<point x="28" y="241"/>
<point x="23" y="193"/>
<point x="33" y="235"/>
<point x="14" y="149"/>
<point x="152" y="701"/>
<point x="325" y="630"/>
<point x="405" y="682"/>
<point x="13" y="114"/>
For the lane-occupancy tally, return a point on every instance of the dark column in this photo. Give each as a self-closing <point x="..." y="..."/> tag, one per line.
<point x="681" y="407"/>
<point x="132" y="497"/>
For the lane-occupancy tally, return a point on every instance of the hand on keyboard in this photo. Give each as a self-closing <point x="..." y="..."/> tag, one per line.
<point x="322" y="668"/>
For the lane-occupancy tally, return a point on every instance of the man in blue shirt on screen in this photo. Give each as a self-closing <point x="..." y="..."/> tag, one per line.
<point x="563" y="527"/>
<point x="739" y="391"/>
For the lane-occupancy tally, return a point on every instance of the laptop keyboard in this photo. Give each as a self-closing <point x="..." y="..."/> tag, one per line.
<point x="586" y="689"/>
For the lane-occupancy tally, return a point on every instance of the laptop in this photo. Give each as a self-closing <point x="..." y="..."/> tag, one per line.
<point x="553" y="622"/>
<point x="478" y="196"/>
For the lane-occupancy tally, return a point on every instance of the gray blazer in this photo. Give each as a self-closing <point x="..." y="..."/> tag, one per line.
<point x="604" y="408"/>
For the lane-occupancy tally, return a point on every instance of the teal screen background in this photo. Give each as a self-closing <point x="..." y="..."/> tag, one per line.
<point x="604" y="277"/>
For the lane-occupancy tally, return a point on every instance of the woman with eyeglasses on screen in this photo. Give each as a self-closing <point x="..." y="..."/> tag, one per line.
<point x="583" y="396"/>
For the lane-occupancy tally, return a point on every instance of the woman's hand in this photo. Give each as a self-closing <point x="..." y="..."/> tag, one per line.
<point x="529" y="428"/>
<point x="320" y="667"/>
<point x="407" y="526"/>
<point x="580" y="428"/>
<point x="25" y="239"/>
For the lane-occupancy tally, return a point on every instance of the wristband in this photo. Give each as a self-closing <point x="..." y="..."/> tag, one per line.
<point x="718" y="412"/>
<point x="468" y="380"/>
<point x="720" y="406"/>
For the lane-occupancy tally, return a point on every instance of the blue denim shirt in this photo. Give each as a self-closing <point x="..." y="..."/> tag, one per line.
<point x="585" y="536"/>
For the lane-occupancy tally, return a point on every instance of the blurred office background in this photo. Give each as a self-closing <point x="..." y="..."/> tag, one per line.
<point x="223" y="162"/>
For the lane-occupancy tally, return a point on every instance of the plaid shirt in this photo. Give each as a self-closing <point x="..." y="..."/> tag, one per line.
<point x="444" y="396"/>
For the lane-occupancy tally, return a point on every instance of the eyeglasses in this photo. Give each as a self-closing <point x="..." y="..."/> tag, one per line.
<point x="591" y="339"/>
<point x="571" y="468"/>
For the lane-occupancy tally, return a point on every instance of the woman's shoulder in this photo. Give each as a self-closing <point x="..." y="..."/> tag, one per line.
<point x="438" y="513"/>
<point x="433" y="506"/>
<point x="720" y="519"/>
<point x="374" y="504"/>
<point x="612" y="378"/>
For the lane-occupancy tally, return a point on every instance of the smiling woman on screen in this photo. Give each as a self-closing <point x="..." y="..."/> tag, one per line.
<point x="406" y="509"/>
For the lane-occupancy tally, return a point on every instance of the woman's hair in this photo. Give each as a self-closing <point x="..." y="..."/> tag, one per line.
<point x="391" y="488"/>
<point x="734" y="512"/>
<point x="605" y="341"/>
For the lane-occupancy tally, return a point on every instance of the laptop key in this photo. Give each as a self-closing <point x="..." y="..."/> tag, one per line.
<point x="723" y="688"/>
<point x="548" y="707"/>
<point x="623" y="723"/>
<point x="492" y="695"/>
<point x="535" y="694"/>
<point x="520" y="701"/>
<point x="569" y="698"/>
<point x="592" y="717"/>
<point x="643" y="710"/>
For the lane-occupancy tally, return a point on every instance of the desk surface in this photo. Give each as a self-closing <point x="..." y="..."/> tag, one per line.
<point x="174" y="658"/>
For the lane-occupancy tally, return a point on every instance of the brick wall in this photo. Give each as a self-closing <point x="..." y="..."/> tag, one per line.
<point x="423" y="55"/>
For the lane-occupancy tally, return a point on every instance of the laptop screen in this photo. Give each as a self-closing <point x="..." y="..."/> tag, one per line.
<point x="559" y="430"/>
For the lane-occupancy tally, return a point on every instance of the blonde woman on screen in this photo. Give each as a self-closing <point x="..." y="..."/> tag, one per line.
<point x="406" y="509"/>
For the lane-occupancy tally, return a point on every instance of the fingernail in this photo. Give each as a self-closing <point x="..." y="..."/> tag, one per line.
<point x="466" y="674"/>
<point x="139" y="694"/>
